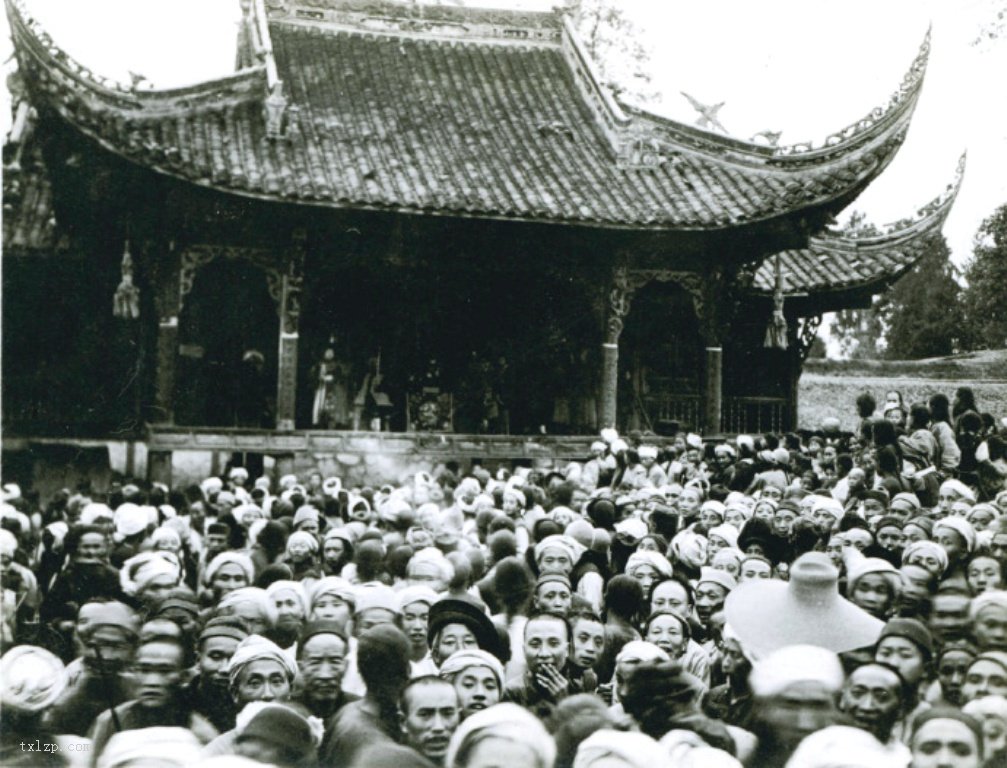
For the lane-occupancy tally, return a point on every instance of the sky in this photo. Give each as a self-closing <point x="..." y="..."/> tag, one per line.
<point x="803" y="67"/>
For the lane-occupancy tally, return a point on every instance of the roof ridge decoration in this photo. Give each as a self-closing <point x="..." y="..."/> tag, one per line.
<point x="658" y="139"/>
<point x="430" y="19"/>
<point x="80" y="91"/>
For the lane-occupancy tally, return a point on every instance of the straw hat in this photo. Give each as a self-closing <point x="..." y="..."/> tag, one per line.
<point x="807" y="610"/>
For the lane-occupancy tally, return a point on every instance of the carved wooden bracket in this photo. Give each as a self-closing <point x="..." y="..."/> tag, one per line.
<point x="807" y="331"/>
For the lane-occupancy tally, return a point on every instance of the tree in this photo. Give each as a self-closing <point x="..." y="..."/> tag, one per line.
<point x="986" y="274"/>
<point x="613" y="41"/>
<point x="923" y="311"/>
<point x="994" y="29"/>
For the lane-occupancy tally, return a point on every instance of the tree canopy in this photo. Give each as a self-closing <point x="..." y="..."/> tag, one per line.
<point x="614" y="43"/>
<point x="985" y="297"/>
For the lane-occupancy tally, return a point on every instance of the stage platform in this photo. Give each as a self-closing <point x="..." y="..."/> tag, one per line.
<point x="178" y="455"/>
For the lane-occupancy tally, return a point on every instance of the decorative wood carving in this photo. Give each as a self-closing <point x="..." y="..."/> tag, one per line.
<point x="194" y="257"/>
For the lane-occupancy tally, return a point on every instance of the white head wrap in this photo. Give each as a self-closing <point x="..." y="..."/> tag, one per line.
<point x="94" y="510"/>
<point x="255" y="647"/>
<point x="239" y="559"/>
<point x="959" y="488"/>
<point x="163" y="746"/>
<point x="726" y="532"/>
<point x="926" y="548"/>
<point x="432" y="556"/>
<point x="31" y="678"/>
<point x="962" y="527"/>
<point x="509" y="722"/>
<point x="140" y="570"/>
<point x="416" y="594"/>
<point x="8" y="543"/>
<point x="303" y="537"/>
<point x="632" y="749"/>
<point x="253" y="595"/>
<point x="842" y="746"/>
<point x="658" y="562"/>
<point x="130" y="519"/>
<point x="641" y="651"/>
<point x="472" y="657"/>
<point x="573" y="548"/>
<point x="796" y="664"/>
<point x="286" y="585"/>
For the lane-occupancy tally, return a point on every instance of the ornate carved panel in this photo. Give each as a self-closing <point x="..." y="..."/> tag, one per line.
<point x="714" y="294"/>
<point x="194" y="257"/>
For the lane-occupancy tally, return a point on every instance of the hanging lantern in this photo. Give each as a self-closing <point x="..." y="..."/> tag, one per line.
<point x="776" y="331"/>
<point x="126" y="302"/>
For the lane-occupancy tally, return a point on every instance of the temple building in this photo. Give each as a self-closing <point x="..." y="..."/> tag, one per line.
<point x="412" y="229"/>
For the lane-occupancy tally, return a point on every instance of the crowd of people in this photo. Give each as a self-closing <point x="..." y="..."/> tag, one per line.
<point x="826" y="599"/>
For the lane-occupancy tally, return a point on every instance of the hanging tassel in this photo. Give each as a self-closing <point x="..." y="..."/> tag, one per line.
<point x="126" y="302"/>
<point x="776" y="331"/>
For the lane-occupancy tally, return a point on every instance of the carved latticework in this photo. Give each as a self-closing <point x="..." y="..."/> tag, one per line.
<point x="806" y="333"/>
<point x="715" y="296"/>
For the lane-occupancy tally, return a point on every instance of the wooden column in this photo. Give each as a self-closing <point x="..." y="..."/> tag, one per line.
<point x="801" y="336"/>
<point x="168" y="302"/>
<point x="617" y="307"/>
<point x="713" y="300"/>
<point x="713" y="390"/>
<point x="290" y="312"/>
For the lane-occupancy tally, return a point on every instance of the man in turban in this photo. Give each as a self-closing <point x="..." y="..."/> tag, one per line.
<point x="259" y="670"/>
<point x="795" y="690"/>
<point x="291" y="610"/>
<point x="31" y="679"/>
<point x="106" y="634"/>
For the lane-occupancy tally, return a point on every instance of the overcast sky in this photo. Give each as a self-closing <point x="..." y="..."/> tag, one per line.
<point x="803" y="67"/>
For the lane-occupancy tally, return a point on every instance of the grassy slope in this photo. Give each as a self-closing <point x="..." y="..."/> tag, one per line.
<point x="830" y="387"/>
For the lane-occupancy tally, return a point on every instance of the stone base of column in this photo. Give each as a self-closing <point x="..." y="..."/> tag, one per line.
<point x="159" y="467"/>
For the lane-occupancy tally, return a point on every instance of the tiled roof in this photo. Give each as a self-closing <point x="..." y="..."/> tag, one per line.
<point x="835" y="262"/>
<point x="429" y="123"/>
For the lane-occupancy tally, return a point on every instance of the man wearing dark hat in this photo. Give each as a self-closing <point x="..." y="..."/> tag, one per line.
<point x="207" y="692"/>
<point x="87" y="576"/>
<point x="321" y="659"/>
<point x="456" y="624"/>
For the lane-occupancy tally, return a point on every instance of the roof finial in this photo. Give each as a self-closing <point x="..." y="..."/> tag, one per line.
<point x="708" y="114"/>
